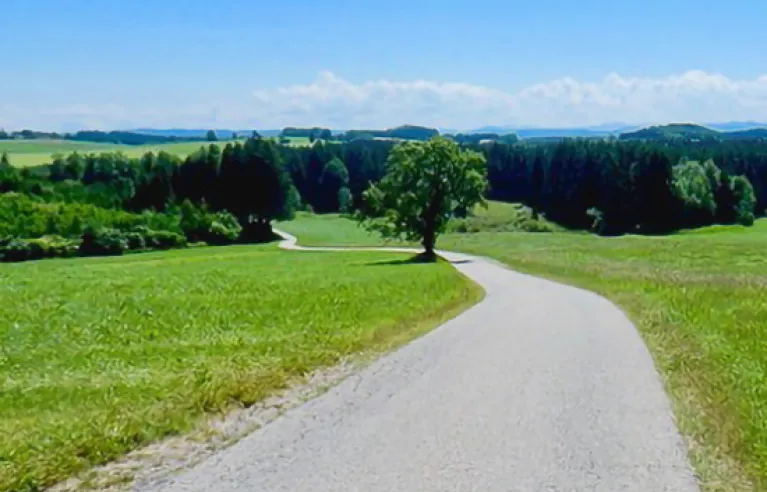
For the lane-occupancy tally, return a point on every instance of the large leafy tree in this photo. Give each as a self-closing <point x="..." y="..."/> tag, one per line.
<point x="425" y="184"/>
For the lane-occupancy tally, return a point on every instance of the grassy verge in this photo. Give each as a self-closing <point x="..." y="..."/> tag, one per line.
<point x="699" y="298"/>
<point x="100" y="356"/>
<point x="700" y="302"/>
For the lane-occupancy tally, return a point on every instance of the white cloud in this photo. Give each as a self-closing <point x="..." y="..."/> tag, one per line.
<point x="692" y="96"/>
<point x="330" y="100"/>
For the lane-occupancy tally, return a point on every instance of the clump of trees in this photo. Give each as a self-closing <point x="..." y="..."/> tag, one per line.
<point x="632" y="187"/>
<point x="109" y="203"/>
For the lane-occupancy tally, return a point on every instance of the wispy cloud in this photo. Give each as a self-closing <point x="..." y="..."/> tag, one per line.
<point x="331" y="100"/>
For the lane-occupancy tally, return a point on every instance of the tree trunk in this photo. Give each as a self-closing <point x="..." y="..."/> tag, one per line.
<point x="429" y="240"/>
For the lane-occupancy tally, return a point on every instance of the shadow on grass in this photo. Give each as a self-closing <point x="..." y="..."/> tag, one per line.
<point x="416" y="259"/>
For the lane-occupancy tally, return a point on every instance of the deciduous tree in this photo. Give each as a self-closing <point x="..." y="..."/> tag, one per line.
<point x="425" y="183"/>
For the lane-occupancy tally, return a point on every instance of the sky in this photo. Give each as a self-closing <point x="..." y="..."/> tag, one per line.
<point x="121" y="64"/>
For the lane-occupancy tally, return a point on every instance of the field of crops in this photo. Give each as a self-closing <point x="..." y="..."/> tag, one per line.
<point x="102" y="355"/>
<point x="699" y="299"/>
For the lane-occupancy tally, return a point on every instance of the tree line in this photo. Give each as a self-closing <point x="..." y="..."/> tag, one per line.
<point x="237" y="189"/>
<point x="632" y="187"/>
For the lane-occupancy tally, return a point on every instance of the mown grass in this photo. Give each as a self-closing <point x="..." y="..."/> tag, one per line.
<point x="502" y="217"/>
<point x="100" y="356"/>
<point x="28" y="153"/>
<point x="699" y="299"/>
<point x="335" y="230"/>
<point x="331" y="230"/>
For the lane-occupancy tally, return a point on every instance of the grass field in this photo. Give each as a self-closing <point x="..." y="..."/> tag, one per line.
<point x="331" y="230"/>
<point x="27" y="153"/>
<point x="102" y="355"/>
<point x="699" y="298"/>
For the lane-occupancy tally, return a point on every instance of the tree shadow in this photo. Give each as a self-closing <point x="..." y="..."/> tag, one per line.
<point x="459" y="262"/>
<point x="413" y="260"/>
<point x="416" y="259"/>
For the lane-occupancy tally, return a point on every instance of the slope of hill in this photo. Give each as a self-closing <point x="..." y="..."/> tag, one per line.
<point x="200" y="133"/>
<point x="685" y="131"/>
<point x="404" y="132"/>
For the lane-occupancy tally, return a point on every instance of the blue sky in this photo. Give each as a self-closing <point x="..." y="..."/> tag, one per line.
<point x="189" y="63"/>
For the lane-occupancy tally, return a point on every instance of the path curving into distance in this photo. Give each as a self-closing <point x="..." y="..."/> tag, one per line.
<point x="539" y="387"/>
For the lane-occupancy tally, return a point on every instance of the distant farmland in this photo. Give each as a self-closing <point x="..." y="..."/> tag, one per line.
<point x="27" y="153"/>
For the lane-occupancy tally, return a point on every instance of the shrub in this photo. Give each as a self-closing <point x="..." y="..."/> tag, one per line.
<point x="98" y="241"/>
<point x="15" y="249"/>
<point x="501" y="218"/>
<point x="23" y="216"/>
<point x="198" y="224"/>
<point x="135" y="240"/>
<point x="164" y="240"/>
<point x="224" y="230"/>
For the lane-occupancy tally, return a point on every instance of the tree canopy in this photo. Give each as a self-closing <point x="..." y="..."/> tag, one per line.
<point x="425" y="184"/>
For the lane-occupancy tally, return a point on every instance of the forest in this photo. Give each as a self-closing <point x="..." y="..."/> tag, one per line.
<point x="108" y="203"/>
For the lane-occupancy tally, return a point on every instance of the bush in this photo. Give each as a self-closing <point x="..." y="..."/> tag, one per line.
<point x="164" y="240"/>
<point x="135" y="240"/>
<point x="198" y="224"/>
<point x="23" y="216"/>
<point x="15" y="249"/>
<point x="19" y="250"/>
<point x="501" y="217"/>
<point x="98" y="241"/>
<point x="223" y="230"/>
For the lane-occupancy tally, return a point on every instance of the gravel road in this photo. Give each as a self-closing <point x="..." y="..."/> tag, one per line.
<point x="540" y="387"/>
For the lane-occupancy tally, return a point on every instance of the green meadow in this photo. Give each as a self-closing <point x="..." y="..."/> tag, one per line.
<point x="28" y="153"/>
<point x="99" y="356"/>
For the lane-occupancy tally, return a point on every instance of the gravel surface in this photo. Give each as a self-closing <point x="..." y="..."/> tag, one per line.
<point x="540" y="387"/>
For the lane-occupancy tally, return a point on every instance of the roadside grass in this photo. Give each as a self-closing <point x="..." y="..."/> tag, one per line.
<point x="99" y="356"/>
<point x="28" y="153"/>
<point x="699" y="299"/>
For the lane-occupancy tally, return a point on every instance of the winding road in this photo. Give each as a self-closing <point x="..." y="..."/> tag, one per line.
<point x="539" y="387"/>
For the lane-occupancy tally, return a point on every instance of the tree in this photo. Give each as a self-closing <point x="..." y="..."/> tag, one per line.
<point x="345" y="200"/>
<point x="4" y="161"/>
<point x="234" y="135"/>
<point x="744" y="199"/>
<point x="334" y="177"/>
<point x="211" y="136"/>
<point x="692" y="186"/>
<point x="725" y="200"/>
<point x="425" y="183"/>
